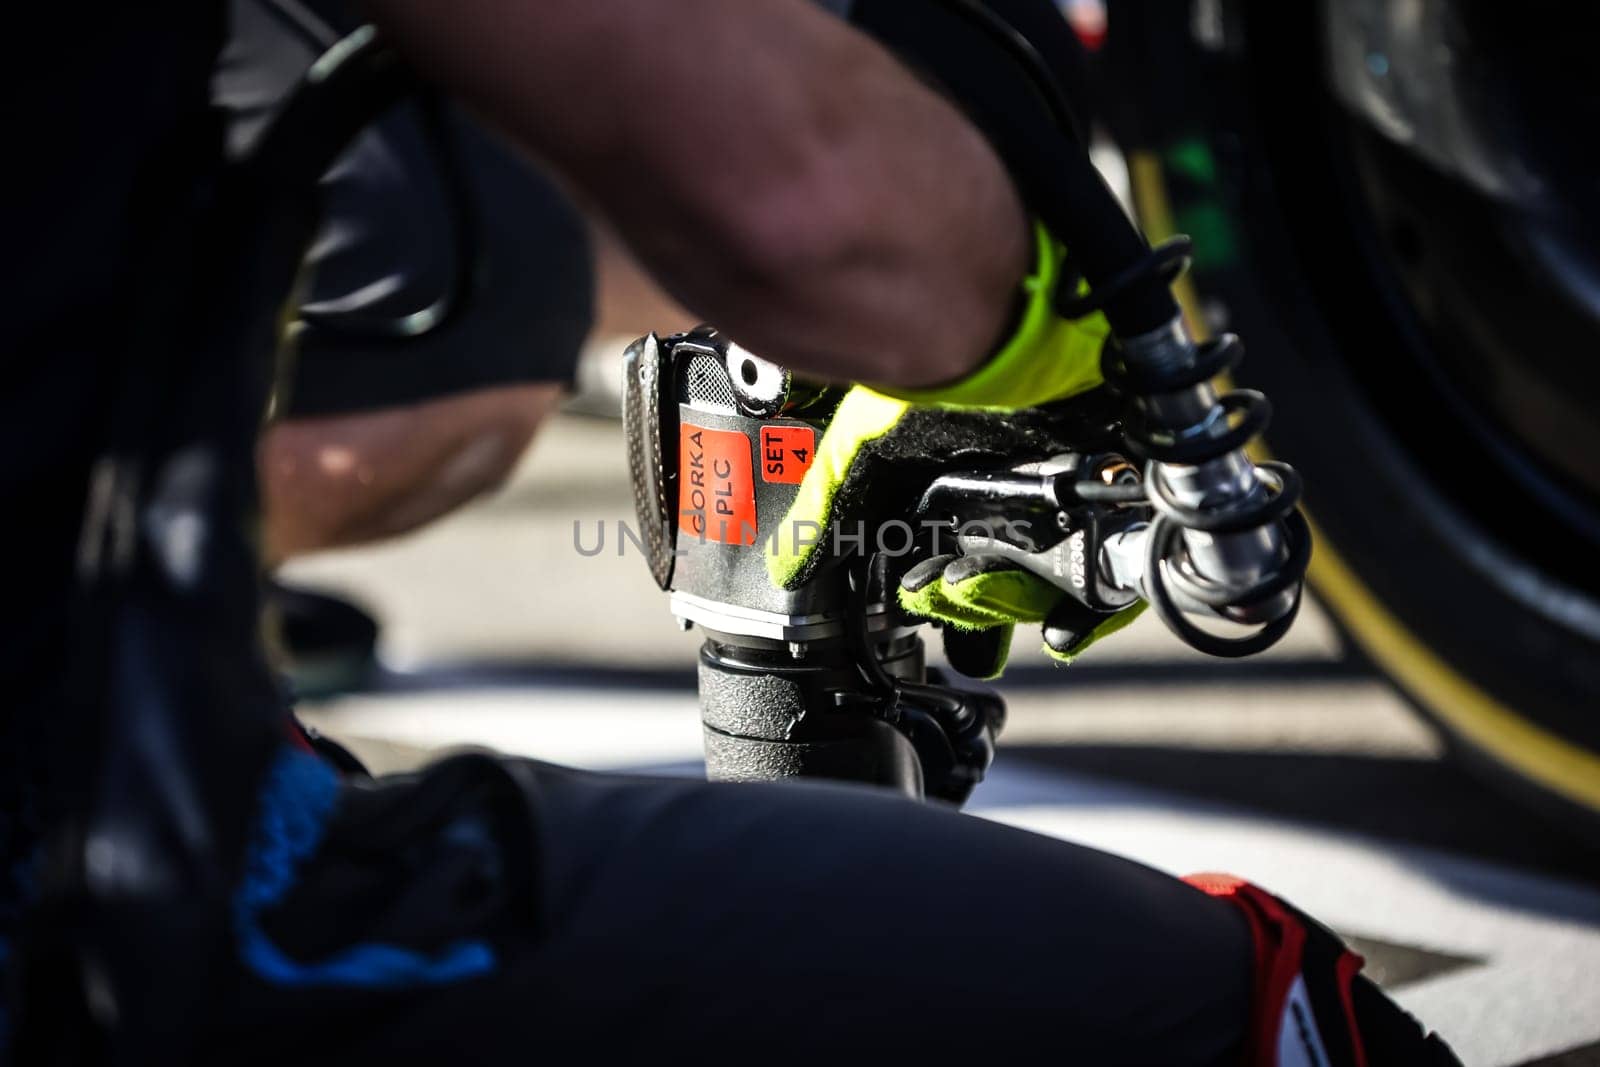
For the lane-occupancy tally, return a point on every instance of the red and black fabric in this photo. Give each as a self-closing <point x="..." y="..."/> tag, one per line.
<point x="1312" y="1007"/>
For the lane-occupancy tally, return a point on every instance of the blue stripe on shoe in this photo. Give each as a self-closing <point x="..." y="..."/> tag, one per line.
<point x="299" y="794"/>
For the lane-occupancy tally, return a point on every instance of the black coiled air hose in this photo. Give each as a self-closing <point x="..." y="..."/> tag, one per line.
<point x="1277" y="502"/>
<point x="1131" y="283"/>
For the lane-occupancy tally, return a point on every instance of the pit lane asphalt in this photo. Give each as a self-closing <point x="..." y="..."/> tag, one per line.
<point x="1299" y="769"/>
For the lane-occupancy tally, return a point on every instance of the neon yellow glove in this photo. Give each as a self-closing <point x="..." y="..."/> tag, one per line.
<point x="881" y="450"/>
<point x="1047" y="358"/>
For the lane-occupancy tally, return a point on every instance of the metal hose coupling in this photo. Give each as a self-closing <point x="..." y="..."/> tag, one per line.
<point x="1227" y="532"/>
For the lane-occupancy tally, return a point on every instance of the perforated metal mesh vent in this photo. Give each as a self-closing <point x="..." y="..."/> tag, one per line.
<point x="706" y="385"/>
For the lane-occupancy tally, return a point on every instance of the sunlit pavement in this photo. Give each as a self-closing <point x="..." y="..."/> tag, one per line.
<point x="1298" y="770"/>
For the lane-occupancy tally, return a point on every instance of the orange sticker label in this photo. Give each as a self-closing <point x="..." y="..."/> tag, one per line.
<point x="786" y="453"/>
<point x="716" y="493"/>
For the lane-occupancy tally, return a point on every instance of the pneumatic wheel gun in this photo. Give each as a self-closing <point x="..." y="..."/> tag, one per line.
<point x="830" y="679"/>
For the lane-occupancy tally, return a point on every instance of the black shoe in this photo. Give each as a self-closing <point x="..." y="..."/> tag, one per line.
<point x="327" y="645"/>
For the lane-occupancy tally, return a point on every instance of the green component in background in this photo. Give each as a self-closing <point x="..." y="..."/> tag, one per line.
<point x="1197" y="210"/>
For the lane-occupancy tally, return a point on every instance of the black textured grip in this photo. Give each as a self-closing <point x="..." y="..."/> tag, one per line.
<point x="773" y="723"/>
<point x="651" y="451"/>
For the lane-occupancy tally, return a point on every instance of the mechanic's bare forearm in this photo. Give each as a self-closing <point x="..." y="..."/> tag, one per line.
<point x="781" y="174"/>
<point x="352" y="479"/>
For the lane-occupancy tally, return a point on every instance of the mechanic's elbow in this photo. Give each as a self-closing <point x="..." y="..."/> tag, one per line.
<point x="780" y="241"/>
<point x="841" y="283"/>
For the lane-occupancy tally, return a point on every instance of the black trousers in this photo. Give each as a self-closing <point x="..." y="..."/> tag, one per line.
<point x="634" y="920"/>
